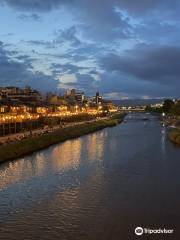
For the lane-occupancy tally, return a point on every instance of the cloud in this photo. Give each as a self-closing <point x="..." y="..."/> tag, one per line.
<point x="93" y="72"/>
<point x="91" y="15"/>
<point x="29" y="17"/>
<point x="21" y="72"/>
<point x="148" y="63"/>
<point x="67" y="68"/>
<point x="116" y="95"/>
<point x="145" y="70"/>
<point x="143" y="7"/>
<point x="67" y="36"/>
<point x="104" y="19"/>
<point x="80" y="81"/>
<point x="34" y="5"/>
<point x="102" y="22"/>
<point x="127" y="86"/>
<point x="98" y="9"/>
<point x="86" y="82"/>
<point x="41" y="43"/>
<point x="154" y="31"/>
<point x="104" y="35"/>
<point x="138" y="6"/>
<point x="62" y="37"/>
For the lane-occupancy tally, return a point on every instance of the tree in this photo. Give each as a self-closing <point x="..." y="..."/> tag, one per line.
<point x="176" y="109"/>
<point x="168" y="105"/>
<point x="148" y="108"/>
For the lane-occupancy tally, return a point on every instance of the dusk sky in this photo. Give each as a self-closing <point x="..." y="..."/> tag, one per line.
<point x="122" y="48"/>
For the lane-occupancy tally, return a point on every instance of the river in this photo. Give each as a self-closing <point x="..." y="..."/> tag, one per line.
<point x="99" y="186"/>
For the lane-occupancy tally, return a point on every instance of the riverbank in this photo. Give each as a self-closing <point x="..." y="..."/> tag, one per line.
<point x="34" y="143"/>
<point x="174" y="136"/>
<point x="173" y="122"/>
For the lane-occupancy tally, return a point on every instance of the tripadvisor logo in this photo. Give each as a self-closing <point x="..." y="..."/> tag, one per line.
<point x="139" y="231"/>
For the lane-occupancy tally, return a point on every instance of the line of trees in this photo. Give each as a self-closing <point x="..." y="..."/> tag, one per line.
<point x="169" y="107"/>
<point x="16" y="127"/>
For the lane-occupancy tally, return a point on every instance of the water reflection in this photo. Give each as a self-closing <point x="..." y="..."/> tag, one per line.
<point x="60" y="158"/>
<point x="163" y="139"/>
<point x="95" y="145"/>
<point x="66" y="156"/>
<point x="16" y="171"/>
<point x="94" y="187"/>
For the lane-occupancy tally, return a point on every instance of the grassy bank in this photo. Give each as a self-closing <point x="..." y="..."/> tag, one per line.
<point x="32" y="144"/>
<point x="174" y="136"/>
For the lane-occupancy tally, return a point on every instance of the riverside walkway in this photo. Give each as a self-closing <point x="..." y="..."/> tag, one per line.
<point x="37" y="132"/>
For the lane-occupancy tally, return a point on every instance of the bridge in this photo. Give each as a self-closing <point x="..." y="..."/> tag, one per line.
<point x="132" y="110"/>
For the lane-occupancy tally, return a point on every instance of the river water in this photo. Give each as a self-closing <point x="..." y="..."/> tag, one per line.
<point x="99" y="186"/>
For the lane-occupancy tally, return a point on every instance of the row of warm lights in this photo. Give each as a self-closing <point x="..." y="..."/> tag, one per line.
<point x="68" y="113"/>
<point x="18" y="118"/>
<point x="28" y="116"/>
<point x="25" y="117"/>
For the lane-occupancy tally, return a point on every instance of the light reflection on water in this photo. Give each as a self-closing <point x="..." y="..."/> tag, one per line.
<point x="94" y="187"/>
<point x="56" y="159"/>
<point x="163" y="139"/>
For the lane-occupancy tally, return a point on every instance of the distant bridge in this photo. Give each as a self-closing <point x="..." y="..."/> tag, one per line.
<point x="132" y="110"/>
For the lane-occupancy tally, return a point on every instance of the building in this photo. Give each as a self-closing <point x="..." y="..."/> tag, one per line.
<point x="68" y="92"/>
<point x="9" y="90"/>
<point x="21" y="96"/>
<point x="75" y="95"/>
<point x="98" y="99"/>
<point x="4" y="109"/>
<point x="79" y="97"/>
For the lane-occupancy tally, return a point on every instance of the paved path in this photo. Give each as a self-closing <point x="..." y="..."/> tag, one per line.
<point x="19" y="136"/>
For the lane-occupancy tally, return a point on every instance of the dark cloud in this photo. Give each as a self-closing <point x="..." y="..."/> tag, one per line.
<point x="143" y="7"/>
<point x="35" y="5"/>
<point x="93" y="72"/>
<point x="29" y="17"/>
<point x="102" y="22"/>
<point x="97" y="8"/>
<point x="41" y="43"/>
<point x="126" y="86"/>
<point x="84" y="82"/>
<point x="26" y="59"/>
<point x="86" y="51"/>
<point x="146" y="70"/>
<point x="149" y="63"/>
<point x="67" y="36"/>
<point x="160" y="32"/>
